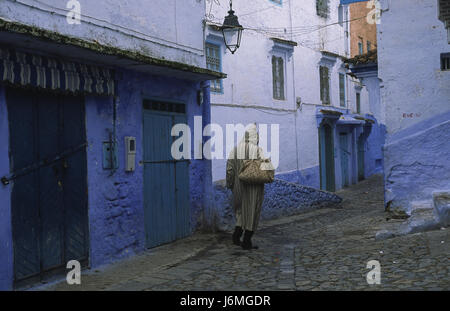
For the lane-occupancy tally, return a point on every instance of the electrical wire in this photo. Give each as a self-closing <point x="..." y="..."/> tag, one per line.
<point x="294" y="32"/>
<point x="264" y="9"/>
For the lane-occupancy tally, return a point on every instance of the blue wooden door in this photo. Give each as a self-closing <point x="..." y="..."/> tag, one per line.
<point x="166" y="181"/>
<point x="49" y="182"/>
<point x="344" y="154"/>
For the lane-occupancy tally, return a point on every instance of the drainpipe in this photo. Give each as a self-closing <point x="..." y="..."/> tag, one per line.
<point x="294" y="94"/>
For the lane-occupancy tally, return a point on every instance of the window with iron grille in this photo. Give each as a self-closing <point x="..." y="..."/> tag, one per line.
<point x="342" y="89"/>
<point x="278" y="77"/>
<point x="445" y="61"/>
<point x="322" y="8"/>
<point x="213" y="62"/>
<point x="369" y="46"/>
<point x="324" y="85"/>
<point x="358" y="103"/>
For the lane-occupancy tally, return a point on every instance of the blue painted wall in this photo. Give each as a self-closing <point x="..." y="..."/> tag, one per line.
<point x="116" y="213"/>
<point x="281" y="198"/>
<point x="373" y="157"/>
<point x="116" y="202"/>
<point x="308" y="177"/>
<point x="417" y="162"/>
<point x="415" y="102"/>
<point x="6" y="251"/>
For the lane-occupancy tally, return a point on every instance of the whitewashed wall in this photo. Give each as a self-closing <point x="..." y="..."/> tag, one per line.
<point x="411" y="40"/>
<point x="415" y="102"/>
<point x="169" y="29"/>
<point x="249" y="71"/>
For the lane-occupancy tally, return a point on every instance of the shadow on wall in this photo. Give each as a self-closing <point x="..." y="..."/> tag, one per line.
<point x="281" y="198"/>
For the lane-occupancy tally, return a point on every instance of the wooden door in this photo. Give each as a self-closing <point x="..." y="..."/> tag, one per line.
<point x="49" y="182"/>
<point x="166" y="180"/>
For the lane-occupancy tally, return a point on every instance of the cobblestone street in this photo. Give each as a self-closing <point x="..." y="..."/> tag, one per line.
<point x="326" y="249"/>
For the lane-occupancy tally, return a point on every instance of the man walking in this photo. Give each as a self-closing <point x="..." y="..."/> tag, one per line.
<point x="247" y="198"/>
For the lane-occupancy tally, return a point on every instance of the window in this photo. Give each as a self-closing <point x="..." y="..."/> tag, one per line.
<point x="280" y="2"/>
<point x="358" y="103"/>
<point x="324" y="85"/>
<point x="322" y="8"/>
<point x="445" y="61"/>
<point x="360" y="48"/>
<point x="213" y="62"/>
<point x="444" y="15"/>
<point x="342" y="89"/>
<point x="341" y="15"/>
<point x="369" y="46"/>
<point x="278" y="77"/>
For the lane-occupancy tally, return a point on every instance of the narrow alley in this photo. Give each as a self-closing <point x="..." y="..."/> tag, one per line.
<point x="325" y="249"/>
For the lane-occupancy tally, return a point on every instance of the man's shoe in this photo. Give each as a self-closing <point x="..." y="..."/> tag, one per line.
<point x="247" y="243"/>
<point x="237" y="236"/>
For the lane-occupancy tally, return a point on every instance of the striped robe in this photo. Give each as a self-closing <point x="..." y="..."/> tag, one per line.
<point x="247" y="198"/>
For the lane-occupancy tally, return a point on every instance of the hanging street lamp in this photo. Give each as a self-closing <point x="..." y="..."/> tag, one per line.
<point x="232" y="30"/>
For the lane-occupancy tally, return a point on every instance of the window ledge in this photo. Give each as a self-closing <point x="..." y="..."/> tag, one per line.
<point x="284" y="45"/>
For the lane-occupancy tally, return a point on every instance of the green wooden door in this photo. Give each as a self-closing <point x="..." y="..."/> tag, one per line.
<point x="326" y="147"/>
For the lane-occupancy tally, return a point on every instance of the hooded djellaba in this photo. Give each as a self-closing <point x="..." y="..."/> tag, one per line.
<point x="247" y="198"/>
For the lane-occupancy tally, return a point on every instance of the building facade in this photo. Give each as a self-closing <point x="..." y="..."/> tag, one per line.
<point x="363" y="35"/>
<point x="415" y="100"/>
<point x="290" y="72"/>
<point x="89" y="93"/>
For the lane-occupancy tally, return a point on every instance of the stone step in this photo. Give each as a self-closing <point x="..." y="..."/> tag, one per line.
<point x="419" y="207"/>
<point x="423" y="218"/>
<point x="441" y="200"/>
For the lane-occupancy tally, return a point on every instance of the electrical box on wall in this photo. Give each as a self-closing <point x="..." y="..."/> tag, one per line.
<point x="110" y="159"/>
<point x="130" y="154"/>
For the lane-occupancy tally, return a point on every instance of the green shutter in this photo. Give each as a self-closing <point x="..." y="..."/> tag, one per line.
<point x="342" y="89"/>
<point x="327" y="86"/>
<point x="321" y="83"/>
<point x="358" y="103"/>
<point x="281" y="77"/>
<point x="322" y="7"/>
<point x="274" y="76"/>
<point x="324" y="85"/>
<point x="278" y="77"/>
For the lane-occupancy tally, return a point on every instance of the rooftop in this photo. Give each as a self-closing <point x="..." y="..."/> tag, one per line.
<point x="34" y="38"/>
<point x="369" y="58"/>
